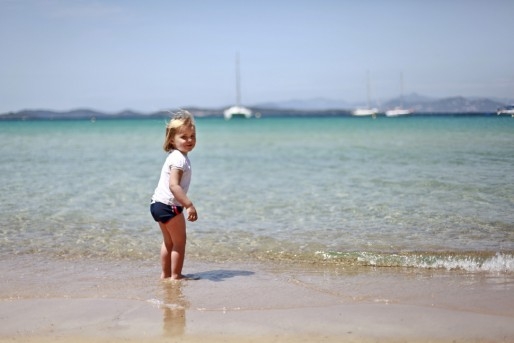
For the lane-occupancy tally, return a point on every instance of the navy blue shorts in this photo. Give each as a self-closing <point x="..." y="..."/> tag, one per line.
<point x="163" y="213"/>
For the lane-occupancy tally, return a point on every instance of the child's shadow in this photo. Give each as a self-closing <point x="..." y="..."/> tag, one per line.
<point x="219" y="275"/>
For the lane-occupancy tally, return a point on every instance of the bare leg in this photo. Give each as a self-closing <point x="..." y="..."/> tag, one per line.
<point x="165" y="262"/>
<point x="167" y="246"/>
<point x="178" y="237"/>
<point x="173" y="247"/>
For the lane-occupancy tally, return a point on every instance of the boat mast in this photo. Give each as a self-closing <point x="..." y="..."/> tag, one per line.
<point x="238" y="81"/>
<point x="401" y="89"/>
<point x="368" y="89"/>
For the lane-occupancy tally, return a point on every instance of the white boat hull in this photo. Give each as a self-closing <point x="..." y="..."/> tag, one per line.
<point x="365" y="112"/>
<point x="237" y="111"/>
<point x="397" y="112"/>
<point x="508" y="110"/>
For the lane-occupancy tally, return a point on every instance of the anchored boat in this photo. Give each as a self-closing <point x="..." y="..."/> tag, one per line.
<point x="238" y="110"/>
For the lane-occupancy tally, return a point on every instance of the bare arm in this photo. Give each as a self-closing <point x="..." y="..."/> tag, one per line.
<point x="180" y="195"/>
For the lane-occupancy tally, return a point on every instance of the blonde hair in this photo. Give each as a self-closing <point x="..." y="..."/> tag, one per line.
<point x="179" y="119"/>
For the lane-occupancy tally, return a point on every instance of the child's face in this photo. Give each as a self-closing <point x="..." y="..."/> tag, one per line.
<point x="185" y="139"/>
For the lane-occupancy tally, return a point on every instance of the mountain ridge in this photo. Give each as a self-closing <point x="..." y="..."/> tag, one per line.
<point x="315" y="106"/>
<point x="414" y="101"/>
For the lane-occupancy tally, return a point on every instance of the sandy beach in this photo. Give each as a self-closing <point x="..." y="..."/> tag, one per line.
<point x="48" y="300"/>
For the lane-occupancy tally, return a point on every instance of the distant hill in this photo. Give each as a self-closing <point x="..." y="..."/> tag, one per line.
<point x="446" y="105"/>
<point x="93" y="115"/>
<point x="316" y="106"/>
<point x="73" y="114"/>
<point x="418" y="103"/>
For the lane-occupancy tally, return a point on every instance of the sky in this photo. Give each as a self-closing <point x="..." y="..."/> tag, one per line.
<point x="153" y="55"/>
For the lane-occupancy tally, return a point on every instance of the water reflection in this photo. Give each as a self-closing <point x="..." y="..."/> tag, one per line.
<point x="174" y="308"/>
<point x="174" y="304"/>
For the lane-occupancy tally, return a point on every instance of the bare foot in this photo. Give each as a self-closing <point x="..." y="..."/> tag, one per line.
<point x="180" y="277"/>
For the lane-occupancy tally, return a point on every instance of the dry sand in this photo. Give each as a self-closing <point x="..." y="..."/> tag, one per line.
<point x="48" y="300"/>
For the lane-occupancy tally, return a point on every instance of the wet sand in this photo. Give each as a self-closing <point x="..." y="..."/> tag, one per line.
<point x="48" y="300"/>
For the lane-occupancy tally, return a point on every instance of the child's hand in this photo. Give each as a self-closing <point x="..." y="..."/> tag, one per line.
<point x="191" y="213"/>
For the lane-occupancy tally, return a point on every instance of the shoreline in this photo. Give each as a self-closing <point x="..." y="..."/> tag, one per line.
<point x="48" y="300"/>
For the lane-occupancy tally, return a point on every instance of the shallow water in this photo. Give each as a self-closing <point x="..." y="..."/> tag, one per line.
<point x="422" y="192"/>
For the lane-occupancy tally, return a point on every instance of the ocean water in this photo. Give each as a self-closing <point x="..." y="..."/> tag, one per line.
<point x="416" y="192"/>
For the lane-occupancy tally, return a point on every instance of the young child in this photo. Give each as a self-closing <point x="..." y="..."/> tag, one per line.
<point x="170" y="196"/>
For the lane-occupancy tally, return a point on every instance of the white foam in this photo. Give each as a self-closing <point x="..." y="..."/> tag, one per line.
<point x="499" y="263"/>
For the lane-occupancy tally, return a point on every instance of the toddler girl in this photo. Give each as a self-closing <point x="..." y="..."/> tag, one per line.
<point x="170" y="196"/>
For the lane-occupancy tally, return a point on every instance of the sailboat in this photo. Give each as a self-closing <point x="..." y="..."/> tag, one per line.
<point x="238" y="110"/>
<point x="368" y="111"/>
<point x="399" y="110"/>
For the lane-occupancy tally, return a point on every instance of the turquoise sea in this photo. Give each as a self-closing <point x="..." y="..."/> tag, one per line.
<point x="416" y="192"/>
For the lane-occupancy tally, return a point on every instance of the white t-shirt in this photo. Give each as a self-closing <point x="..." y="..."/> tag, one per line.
<point x="175" y="160"/>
